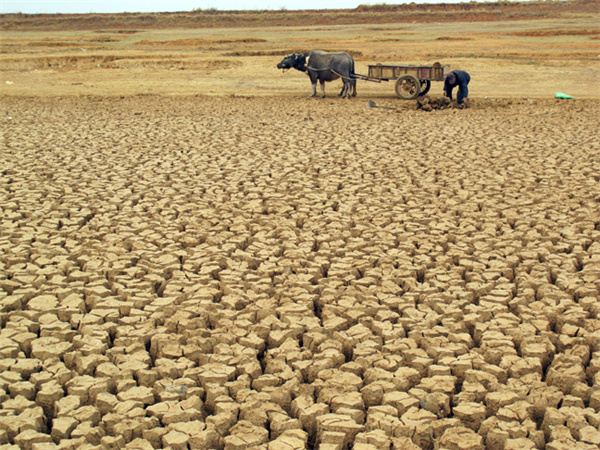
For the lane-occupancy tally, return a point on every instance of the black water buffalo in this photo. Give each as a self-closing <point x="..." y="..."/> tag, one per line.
<point x="324" y="66"/>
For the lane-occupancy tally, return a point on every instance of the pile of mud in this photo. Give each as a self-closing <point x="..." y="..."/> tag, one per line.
<point x="426" y="103"/>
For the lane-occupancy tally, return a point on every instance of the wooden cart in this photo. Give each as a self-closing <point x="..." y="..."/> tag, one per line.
<point x="411" y="81"/>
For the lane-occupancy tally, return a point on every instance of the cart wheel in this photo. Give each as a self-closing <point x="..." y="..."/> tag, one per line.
<point x="408" y="87"/>
<point x="425" y="86"/>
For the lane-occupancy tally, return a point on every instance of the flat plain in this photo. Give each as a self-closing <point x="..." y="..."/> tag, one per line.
<point x="196" y="255"/>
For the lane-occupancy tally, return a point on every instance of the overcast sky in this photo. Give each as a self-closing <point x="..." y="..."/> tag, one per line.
<point x="115" y="6"/>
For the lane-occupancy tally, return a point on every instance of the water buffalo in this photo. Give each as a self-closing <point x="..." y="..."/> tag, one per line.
<point x="324" y="66"/>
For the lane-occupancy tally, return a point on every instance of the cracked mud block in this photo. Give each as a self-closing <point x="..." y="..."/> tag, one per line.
<point x="245" y="435"/>
<point x="460" y="438"/>
<point x="471" y="414"/>
<point x="30" y="439"/>
<point x="337" y="429"/>
<point x="194" y="276"/>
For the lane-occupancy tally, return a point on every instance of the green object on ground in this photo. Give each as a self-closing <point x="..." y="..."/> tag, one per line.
<point x="561" y="95"/>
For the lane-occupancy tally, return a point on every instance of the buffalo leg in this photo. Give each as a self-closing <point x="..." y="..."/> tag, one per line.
<point x="313" y="80"/>
<point x="344" y="90"/>
<point x="347" y="90"/>
<point x="322" y="88"/>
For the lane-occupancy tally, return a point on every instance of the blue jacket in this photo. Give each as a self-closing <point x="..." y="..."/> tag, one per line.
<point x="462" y="81"/>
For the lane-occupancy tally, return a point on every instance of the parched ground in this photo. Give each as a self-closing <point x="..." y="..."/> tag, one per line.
<point x="194" y="255"/>
<point x="290" y="273"/>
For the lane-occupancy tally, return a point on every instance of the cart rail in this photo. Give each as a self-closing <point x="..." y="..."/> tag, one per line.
<point x="392" y="72"/>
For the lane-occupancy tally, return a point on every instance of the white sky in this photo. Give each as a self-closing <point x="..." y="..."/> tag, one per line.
<point x="116" y="6"/>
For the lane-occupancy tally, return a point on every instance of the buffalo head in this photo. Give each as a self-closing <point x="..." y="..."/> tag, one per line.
<point x="293" y="60"/>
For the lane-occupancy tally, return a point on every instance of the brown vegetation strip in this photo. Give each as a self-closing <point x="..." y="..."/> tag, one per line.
<point x="545" y="33"/>
<point x="195" y="42"/>
<point x="376" y="14"/>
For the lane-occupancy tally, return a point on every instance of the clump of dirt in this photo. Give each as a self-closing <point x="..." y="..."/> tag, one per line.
<point x="426" y="103"/>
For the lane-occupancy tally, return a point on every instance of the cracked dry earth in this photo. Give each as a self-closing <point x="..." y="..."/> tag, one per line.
<point x="283" y="273"/>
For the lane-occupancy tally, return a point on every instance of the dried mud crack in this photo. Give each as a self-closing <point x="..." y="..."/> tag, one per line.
<point x="290" y="273"/>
